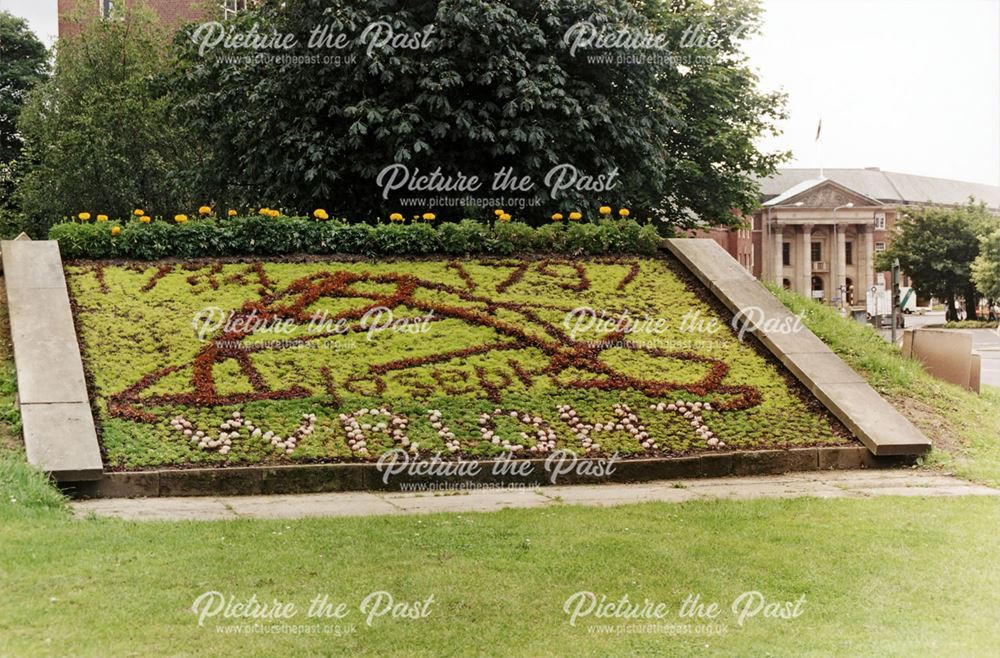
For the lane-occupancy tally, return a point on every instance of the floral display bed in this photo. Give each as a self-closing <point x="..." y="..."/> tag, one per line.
<point x="210" y="363"/>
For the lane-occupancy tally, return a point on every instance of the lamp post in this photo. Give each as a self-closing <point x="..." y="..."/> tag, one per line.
<point x="875" y="316"/>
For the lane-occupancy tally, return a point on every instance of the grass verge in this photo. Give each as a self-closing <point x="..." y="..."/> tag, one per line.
<point x="964" y="427"/>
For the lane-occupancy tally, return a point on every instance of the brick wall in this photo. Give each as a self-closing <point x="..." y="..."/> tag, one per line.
<point x="172" y="12"/>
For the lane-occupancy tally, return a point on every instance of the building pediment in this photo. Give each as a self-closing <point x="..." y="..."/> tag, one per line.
<point x="822" y="193"/>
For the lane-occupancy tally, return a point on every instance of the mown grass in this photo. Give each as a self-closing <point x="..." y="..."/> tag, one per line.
<point x="886" y="576"/>
<point x="964" y="427"/>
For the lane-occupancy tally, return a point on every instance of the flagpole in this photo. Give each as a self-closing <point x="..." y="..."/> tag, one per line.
<point x="819" y="145"/>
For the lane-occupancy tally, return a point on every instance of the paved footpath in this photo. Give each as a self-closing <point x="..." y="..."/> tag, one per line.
<point x="819" y="484"/>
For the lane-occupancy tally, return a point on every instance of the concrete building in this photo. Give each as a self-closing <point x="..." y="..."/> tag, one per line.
<point x="820" y="239"/>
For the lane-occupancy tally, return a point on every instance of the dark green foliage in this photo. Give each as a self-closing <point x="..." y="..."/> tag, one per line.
<point x="936" y="248"/>
<point x="496" y="87"/>
<point x="265" y="236"/>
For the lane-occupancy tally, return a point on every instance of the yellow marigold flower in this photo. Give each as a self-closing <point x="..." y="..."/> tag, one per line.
<point x="115" y="230"/>
<point x="396" y="217"/>
<point x="429" y="216"/>
<point x="319" y="213"/>
<point x="505" y="217"/>
<point x="232" y="213"/>
<point x="205" y="210"/>
<point x="180" y="219"/>
<point x="558" y="217"/>
<point x="605" y="210"/>
<point x="624" y="212"/>
<point x="102" y="218"/>
<point x="84" y="216"/>
<point x="499" y="213"/>
<point x="145" y="219"/>
<point x="138" y="212"/>
<point x="575" y="216"/>
<point x="265" y="211"/>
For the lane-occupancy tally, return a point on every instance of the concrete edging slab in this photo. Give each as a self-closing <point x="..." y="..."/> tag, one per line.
<point x="874" y="421"/>
<point x="58" y="425"/>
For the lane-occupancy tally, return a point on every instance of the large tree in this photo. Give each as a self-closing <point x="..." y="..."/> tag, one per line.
<point x="98" y="134"/>
<point x="936" y="247"/>
<point x="986" y="267"/>
<point x="23" y="64"/>
<point x="489" y="86"/>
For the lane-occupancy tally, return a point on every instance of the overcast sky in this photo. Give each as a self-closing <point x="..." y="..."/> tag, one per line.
<point x="905" y="85"/>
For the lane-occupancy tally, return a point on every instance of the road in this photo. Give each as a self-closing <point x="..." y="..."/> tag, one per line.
<point x="986" y="343"/>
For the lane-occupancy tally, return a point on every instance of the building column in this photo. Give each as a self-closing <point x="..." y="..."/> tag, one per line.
<point x="777" y="250"/>
<point x="840" y="262"/>
<point x="805" y="261"/>
<point x="868" y="246"/>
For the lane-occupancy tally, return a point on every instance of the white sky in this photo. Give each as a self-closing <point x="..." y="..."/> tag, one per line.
<point x="905" y="85"/>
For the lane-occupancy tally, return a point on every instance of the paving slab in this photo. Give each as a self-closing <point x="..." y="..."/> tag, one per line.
<point x="882" y="429"/>
<point x="60" y="438"/>
<point x="32" y="264"/>
<point x="56" y="323"/>
<point x="305" y="506"/>
<point x="846" y="484"/>
<point x="60" y="379"/>
<point x="877" y="423"/>
<point x="166" y="509"/>
<point x="605" y="496"/>
<point x="58" y="426"/>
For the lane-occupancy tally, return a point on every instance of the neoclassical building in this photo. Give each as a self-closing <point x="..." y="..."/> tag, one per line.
<point x="818" y="231"/>
<point x="820" y="239"/>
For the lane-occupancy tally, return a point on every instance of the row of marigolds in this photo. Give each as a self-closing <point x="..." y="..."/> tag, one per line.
<point x="322" y="215"/>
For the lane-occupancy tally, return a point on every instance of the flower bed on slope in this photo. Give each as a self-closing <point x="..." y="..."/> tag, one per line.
<point x="303" y="362"/>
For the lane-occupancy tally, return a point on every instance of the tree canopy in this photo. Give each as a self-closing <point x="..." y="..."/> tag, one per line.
<point x="936" y="247"/>
<point x="474" y="88"/>
<point x="98" y="134"/>
<point x="986" y="267"/>
<point x="23" y="64"/>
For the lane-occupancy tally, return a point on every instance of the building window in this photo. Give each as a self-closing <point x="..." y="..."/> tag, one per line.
<point x="879" y="246"/>
<point x="849" y="253"/>
<point x="880" y="221"/>
<point x="786" y="253"/>
<point x="786" y="284"/>
<point x="106" y="6"/>
<point x="817" y="252"/>
<point x="231" y="8"/>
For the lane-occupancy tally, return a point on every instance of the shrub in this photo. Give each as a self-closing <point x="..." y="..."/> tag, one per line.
<point x="266" y="236"/>
<point x="971" y="324"/>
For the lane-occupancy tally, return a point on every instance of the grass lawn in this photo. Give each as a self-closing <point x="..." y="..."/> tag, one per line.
<point x="886" y="576"/>
<point x="880" y="577"/>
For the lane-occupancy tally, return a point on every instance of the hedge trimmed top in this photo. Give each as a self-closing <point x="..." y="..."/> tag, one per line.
<point x="275" y="236"/>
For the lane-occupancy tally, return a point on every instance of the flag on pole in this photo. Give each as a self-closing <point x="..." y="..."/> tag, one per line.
<point x="819" y="128"/>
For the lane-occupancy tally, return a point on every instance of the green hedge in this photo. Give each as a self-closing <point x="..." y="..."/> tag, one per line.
<point x="971" y="324"/>
<point x="265" y="236"/>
